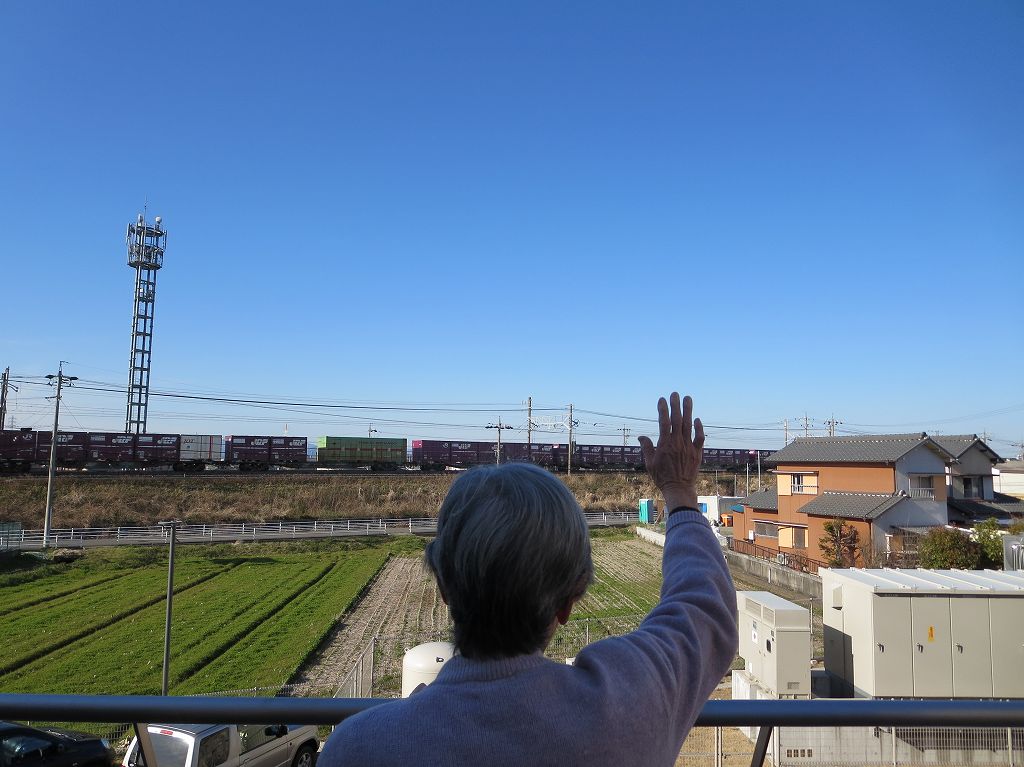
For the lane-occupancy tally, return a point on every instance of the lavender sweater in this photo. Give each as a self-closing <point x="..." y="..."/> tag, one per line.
<point x="627" y="700"/>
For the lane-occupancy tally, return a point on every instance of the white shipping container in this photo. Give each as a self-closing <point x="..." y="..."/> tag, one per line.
<point x="202" y="447"/>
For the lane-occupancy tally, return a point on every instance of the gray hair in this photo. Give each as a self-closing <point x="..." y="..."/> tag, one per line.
<point x="512" y="549"/>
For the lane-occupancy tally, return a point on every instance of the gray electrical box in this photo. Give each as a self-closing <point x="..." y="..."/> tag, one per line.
<point x="775" y="644"/>
<point x="924" y="633"/>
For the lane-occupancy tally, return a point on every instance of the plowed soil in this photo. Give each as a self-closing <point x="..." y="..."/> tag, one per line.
<point x="403" y="601"/>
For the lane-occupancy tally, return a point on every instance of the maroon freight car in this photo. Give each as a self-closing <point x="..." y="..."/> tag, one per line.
<point x="158" y="448"/>
<point x="17" y="450"/>
<point x="249" y="452"/>
<point x="109" y="447"/>
<point x="287" y="451"/>
<point x="72" y="447"/>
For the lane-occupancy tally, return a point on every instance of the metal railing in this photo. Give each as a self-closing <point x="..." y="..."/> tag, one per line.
<point x="803" y="489"/>
<point x="922" y="492"/>
<point x="793" y="560"/>
<point x="766" y="715"/>
<point x="86" y="537"/>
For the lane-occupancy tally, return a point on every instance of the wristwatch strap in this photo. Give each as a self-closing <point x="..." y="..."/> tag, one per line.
<point x="683" y="508"/>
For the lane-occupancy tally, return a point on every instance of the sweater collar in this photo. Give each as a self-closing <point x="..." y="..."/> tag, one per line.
<point x="460" y="669"/>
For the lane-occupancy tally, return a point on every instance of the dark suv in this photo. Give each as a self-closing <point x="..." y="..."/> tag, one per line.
<point x="22" y="746"/>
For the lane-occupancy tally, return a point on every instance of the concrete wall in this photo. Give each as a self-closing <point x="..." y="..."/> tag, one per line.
<point x="805" y="583"/>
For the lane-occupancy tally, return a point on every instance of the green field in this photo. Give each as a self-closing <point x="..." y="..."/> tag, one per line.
<point x="239" y="620"/>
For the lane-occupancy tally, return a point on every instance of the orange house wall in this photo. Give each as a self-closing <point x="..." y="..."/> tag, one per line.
<point x="852" y="478"/>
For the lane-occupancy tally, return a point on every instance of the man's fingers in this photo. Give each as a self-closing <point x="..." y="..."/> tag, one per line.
<point x="647" y="447"/>
<point x="687" y="419"/>
<point x="664" y="425"/>
<point x="698" y="440"/>
<point x="677" y="417"/>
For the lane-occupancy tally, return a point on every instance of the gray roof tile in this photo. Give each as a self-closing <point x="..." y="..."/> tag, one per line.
<point x="869" y="448"/>
<point x="958" y="444"/>
<point x="1002" y="507"/>
<point x="852" y="505"/>
<point x="762" y="499"/>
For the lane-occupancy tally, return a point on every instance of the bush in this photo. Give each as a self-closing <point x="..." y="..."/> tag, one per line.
<point x="990" y="537"/>
<point x="944" y="548"/>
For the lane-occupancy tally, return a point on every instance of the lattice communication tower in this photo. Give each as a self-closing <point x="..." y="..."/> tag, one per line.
<point x="145" y="255"/>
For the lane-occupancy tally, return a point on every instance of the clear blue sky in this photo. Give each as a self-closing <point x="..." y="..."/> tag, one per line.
<point x="784" y="208"/>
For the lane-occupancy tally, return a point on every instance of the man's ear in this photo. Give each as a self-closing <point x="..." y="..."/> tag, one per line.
<point x="563" y="614"/>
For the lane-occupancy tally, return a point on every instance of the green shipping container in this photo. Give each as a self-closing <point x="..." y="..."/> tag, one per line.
<point x="361" y="451"/>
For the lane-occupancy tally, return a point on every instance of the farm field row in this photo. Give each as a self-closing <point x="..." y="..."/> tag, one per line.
<point x="230" y="616"/>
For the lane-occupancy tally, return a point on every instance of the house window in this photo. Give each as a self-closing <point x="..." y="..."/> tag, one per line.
<point x="803" y="484"/>
<point x="921" y="486"/>
<point x="799" y="538"/>
<point x="766" y="530"/>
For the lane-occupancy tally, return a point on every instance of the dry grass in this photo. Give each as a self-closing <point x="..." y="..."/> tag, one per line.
<point x="103" y="502"/>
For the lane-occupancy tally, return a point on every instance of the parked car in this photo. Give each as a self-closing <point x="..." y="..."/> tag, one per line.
<point x="227" y="745"/>
<point x="22" y="746"/>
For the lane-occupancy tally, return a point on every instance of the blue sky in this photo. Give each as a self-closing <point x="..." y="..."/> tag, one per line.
<point x="785" y="208"/>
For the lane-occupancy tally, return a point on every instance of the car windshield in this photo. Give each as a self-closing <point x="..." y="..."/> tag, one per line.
<point x="170" y="751"/>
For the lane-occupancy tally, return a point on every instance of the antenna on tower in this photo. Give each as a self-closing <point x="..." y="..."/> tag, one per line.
<point x="146" y="246"/>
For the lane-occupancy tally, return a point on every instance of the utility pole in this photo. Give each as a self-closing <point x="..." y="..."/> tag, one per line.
<point x="807" y="425"/>
<point x="499" y="427"/>
<point x="61" y="378"/>
<point x="785" y="431"/>
<point x="832" y="424"/>
<point x="370" y="431"/>
<point x="529" y="429"/>
<point x="571" y="424"/>
<point x="625" y="435"/>
<point x="171" y="526"/>
<point x="3" y="397"/>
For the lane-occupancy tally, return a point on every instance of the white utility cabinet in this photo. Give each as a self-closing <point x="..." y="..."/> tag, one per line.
<point x="775" y="644"/>
<point x="924" y="633"/>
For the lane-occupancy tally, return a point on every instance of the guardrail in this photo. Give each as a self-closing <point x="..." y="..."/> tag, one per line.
<point x="766" y="715"/>
<point x="86" y="537"/>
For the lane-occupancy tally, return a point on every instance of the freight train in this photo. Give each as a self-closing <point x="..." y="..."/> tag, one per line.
<point x="22" y="450"/>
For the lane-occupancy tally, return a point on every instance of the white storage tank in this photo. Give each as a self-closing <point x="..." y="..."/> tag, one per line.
<point x="924" y="633"/>
<point x="423" y="663"/>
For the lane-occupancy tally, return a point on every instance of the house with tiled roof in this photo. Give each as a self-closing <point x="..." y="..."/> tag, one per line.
<point x="879" y="485"/>
<point x="969" y="474"/>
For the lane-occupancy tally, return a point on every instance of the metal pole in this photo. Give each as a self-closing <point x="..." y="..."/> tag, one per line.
<point x="167" y="620"/>
<point x="758" y="469"/>
<point x="569" y="464"/>
<point x="529" y="428"/>
<point x="498" y="456"/>
<point x="3" y="397"/>
<point x="748" y="477"/>
<point x="53" y="459"/>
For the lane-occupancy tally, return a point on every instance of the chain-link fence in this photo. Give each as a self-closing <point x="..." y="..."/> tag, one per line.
<point x="899" y="746"/>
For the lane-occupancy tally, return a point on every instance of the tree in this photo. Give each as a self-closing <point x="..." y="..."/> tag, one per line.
<point x="1017" y="526"/>
<point x="944" y="548"/>
<point x="839" y="543"/>
<point x="990" y="538"/>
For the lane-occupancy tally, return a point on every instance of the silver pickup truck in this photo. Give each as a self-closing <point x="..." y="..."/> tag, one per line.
<point x="227" y="745"/>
